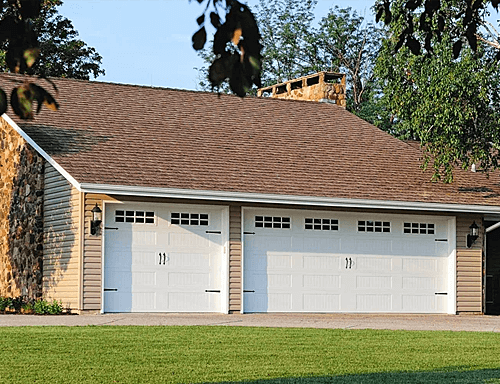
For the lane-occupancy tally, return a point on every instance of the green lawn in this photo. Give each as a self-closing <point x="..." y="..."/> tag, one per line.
<point x="263" y="355"/>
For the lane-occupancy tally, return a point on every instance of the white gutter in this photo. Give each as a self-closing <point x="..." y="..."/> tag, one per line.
<point x="44" y="154"/>
<point x="283" y="199"/>
<point x="493" y="227"/>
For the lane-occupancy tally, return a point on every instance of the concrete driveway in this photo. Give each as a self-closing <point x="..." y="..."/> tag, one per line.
<point x="343" y="321"/>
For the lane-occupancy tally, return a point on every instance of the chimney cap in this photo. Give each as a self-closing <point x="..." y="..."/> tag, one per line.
<point x="324" y="76"/>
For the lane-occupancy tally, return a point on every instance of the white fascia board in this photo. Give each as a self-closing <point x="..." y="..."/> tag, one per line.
<point x="284" y="199"/>
<point x="42" y="153"/>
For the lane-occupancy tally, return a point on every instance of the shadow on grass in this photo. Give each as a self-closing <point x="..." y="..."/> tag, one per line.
<point x="445" y="376"/>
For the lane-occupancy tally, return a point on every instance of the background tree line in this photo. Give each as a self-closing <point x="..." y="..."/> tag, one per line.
<point x="419" y="86"/>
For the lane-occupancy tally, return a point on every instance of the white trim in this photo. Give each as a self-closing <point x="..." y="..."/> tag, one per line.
<point x="493" y="227"/>
<point x="452" y="266"/>
<point x="225" y="227"/>
<point x="44" y="154"/>
<point x="242" y="237"/>
<point x="284" y="199"/>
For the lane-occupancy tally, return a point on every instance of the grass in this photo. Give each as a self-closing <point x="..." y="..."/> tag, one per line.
<point x="259" y="355"/>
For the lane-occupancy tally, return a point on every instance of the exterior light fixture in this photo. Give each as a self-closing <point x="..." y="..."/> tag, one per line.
<point x="95" y="223"/>
<point x="474" y="234"/>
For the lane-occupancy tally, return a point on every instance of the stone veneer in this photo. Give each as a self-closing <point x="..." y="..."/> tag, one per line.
<point x="21" y="216"/>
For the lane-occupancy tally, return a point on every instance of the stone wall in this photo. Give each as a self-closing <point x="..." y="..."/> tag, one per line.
<point x="21" y="216"/>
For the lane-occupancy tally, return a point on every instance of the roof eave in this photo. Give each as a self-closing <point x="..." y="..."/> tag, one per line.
<point x="247" y="197"/>
<point x="42" y="153"/>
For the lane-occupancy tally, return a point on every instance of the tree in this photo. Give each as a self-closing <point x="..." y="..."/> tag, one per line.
<point x="35" y="40"/>
<point x="293" y="47"/>
<point x="451" y="105"/>
<point x="236" y="45"/>
<point x="62" y="54"/>
<point x="423" y="21"/>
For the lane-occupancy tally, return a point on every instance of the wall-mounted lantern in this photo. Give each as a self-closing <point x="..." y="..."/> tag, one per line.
<point x="95" y="223"/>
<point x="474" y="234"/>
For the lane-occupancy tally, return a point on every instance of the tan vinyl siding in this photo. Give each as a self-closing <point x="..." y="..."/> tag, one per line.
<point x="92" y="257"/>
<point x="61" y="245"/>
<point x="469" y="266"/>
<point x="463" y="224"/>
<point x="469" y="280"/>
<point x="235" y="258"/>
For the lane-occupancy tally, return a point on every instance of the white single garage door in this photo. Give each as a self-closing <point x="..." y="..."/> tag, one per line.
<point x="164" y="258"/>
<point x="316" y="261"/>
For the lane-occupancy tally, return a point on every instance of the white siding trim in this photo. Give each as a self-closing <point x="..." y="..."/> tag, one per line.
<point x="285" y="199"/>
<point x="44" y="154"/>
<point x="452" y="266"/>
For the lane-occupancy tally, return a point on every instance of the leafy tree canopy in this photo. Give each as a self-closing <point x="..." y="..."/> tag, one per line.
<point x="293" y="46"/>
<point x="35" y="40"/>
<point x="449" y="100"/>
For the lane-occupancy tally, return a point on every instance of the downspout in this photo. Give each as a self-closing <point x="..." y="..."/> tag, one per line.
<point x="493" y="227"/>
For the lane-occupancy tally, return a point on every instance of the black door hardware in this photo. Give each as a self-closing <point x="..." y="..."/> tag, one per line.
<point x="445" y="240"/>
<point x="164" y="258"/>
<point x="214" y="232"/>
<point x="249" y="233"/>
<point x="111" y="228"/>
<point x="110" y="290"/>
<point x="441" y="293"/>
<point x="348" y="263"/>
<point x="212" y="290"/>
<point x="248" y="291"/>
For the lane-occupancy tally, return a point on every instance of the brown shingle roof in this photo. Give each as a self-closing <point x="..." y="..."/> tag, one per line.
<point x="156" y="137"/>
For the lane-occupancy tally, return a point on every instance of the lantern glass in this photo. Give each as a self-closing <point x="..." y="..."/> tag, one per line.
<point x="474" y="229"/>
<point x="97" y="213"/>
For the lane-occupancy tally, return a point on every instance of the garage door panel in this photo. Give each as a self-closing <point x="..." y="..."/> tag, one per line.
<point x="163" y="266"/>
<point x="347" y="269"/>
<point x="319" y="244"/>
<point x="372" y="246"/>
<point x="374" y="302"/>
<point x="423" y="303"/>
<point x="420" y="265"/>
<point x="188" y="260"/>
<point x="323" y="282"/>
<point x="188" y="240"/>
<point x="279" y="280"/>
<point x="279" y="260"/>
<point x="143" y="238"/>
<point x="265" y="244"/>
<point x="143" y="279"/>
<point x="374" y="282"/>
<point x="321" y="302"/>
<point x="189" y="279"/>
<point x="321" y="262"/>
<point x="280" y="302"/>
<point x="372" y="263"/>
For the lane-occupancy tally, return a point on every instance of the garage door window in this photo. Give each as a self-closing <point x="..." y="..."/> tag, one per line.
<point x="141" y="217"/>
<point x="321" y="224"/>
<point x="276" y="222"/>
<point x="374" y="226"/>
<point x="419" y="228"/>
<point x="180" y="218"/>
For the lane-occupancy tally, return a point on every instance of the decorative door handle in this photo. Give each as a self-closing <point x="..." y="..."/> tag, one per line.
<point x="350" y="263"/>
<point x="164" y="258"/>
<point x="346" y="263"/>
<point x="160" y="259"/>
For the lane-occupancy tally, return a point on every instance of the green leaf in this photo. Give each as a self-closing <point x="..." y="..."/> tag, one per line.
<point x="30" y="56"/>
<point x="199" y="39"/>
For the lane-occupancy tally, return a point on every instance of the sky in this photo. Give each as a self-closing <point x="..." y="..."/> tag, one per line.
<point x="148" y="42"/>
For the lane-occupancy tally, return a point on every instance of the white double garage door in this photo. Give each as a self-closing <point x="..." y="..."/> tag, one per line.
<point x="293" y="260"/>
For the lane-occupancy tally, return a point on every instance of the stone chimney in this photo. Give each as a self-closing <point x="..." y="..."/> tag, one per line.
<point x="322" y="87"/>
